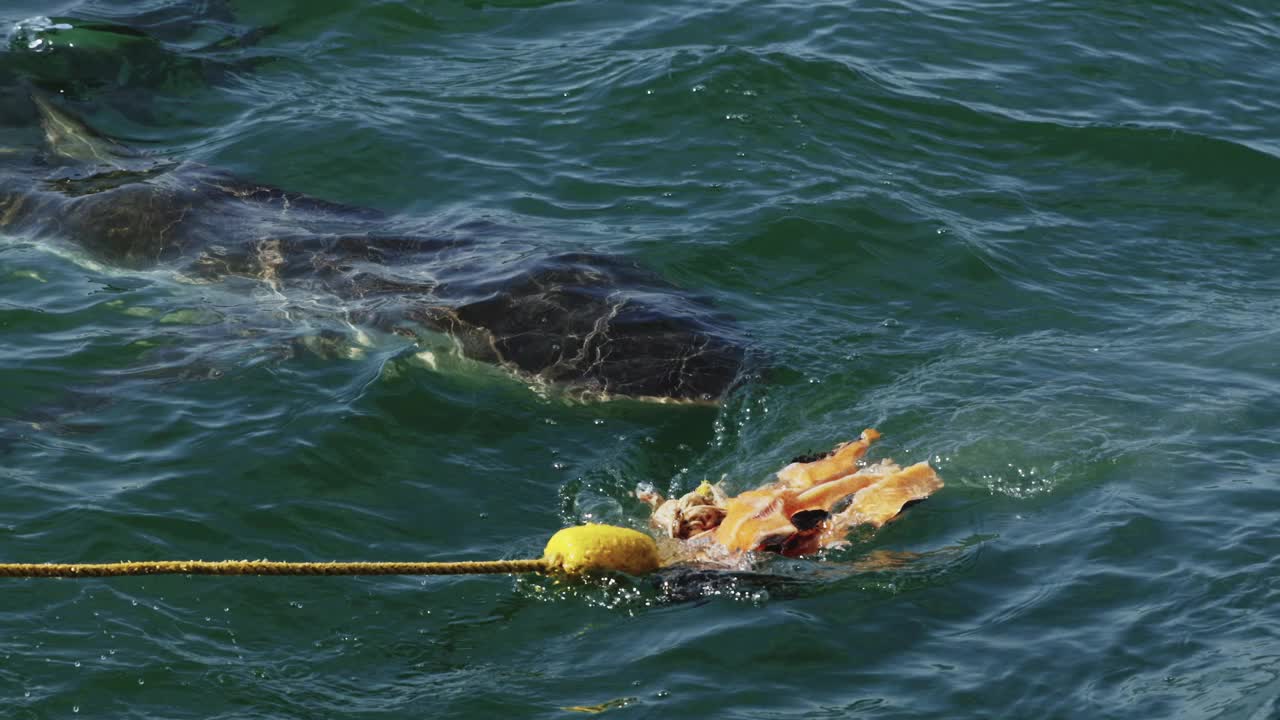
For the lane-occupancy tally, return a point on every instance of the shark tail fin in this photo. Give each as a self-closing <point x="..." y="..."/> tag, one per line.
<point x="69" y="137"/>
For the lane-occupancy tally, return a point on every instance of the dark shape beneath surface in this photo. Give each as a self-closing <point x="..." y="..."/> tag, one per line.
<point x="595" y="325"/>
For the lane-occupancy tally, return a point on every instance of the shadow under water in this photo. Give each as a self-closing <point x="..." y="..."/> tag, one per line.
<point x="596" y="326"/>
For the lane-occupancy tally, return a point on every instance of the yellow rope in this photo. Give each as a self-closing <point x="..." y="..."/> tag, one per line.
<point x="267" y="567"/>
<point x="571" y="551"/>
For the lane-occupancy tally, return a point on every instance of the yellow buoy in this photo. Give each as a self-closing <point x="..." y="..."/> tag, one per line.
<point x="585" y="548"/>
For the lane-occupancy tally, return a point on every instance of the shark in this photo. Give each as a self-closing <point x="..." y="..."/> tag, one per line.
<point x="595" y="325"/>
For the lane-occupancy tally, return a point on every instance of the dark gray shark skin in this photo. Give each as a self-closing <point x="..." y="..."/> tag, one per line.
<point x="594" y="325"/>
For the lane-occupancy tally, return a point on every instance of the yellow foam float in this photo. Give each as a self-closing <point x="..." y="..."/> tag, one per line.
<point x="593" y="548"/>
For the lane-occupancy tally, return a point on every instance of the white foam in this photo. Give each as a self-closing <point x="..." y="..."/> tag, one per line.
<point x="30" y="32"/>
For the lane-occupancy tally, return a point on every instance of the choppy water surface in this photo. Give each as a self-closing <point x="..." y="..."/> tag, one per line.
<point x="1033" y="242"/>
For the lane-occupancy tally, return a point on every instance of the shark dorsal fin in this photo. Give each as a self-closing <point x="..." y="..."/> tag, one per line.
<point x="69" y="137"/>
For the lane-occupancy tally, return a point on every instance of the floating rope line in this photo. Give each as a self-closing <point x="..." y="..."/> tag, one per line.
<point x="268" y="567"/>
<point x="572" y="551"/>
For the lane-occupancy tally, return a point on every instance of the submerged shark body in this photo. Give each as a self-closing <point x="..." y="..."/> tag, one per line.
<point x="593" y="324"/>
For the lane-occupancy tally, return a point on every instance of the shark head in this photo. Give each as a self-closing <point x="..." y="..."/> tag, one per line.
<point x="599" y="327"/>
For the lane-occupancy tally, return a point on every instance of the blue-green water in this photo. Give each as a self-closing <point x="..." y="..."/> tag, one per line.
<point x="1032" y="242"/>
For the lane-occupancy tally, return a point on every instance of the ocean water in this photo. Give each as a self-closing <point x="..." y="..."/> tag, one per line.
<point x="1034" y="243"/>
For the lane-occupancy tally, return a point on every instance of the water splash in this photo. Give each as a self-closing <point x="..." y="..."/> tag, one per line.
<point x="36" y="34"/>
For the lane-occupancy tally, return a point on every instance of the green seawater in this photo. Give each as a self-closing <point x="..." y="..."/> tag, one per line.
<point x="1034" y="243"/>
